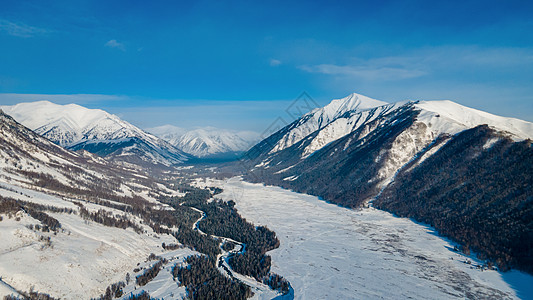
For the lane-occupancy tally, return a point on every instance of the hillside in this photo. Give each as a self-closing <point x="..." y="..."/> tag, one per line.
<point x="75" y="226"/>
<point x="366" y="154"/>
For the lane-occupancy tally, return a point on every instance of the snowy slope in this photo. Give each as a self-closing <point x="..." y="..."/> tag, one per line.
<point x="435" y="118"/>
<point x="208" y="141"/>
<point x="450" y="117"/>
<point x="343" y="116"/>
<point x="318" y="118"/>
<point x="74" y="126"/>
<point x="83" y="257"/>
<point x="366" y="138"/>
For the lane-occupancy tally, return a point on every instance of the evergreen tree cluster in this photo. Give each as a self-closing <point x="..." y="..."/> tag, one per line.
<point x="277" y="282"/>
<point x="36" y="211"/>
<point x="113" y="291"/>
<point x="149" y="273"/>
<point x="141" y="296"/>
<point x="481" y="198"/>
<point x="203" y="281"/>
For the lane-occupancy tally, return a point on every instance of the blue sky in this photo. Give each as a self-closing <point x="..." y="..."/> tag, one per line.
<point x="239" y="64"/>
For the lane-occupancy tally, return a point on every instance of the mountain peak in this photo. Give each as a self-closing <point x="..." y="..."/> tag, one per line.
<point x="353" y="101"/>
<point x="74" y="126"/>
<point x="358" y="101"/>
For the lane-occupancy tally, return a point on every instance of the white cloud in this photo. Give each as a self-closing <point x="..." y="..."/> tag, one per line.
<point x="428" y="61"/>
<point x="368" y="72"/>
<point x="21" y="29"/>
<point x="115" y="44"/>
<point x="274" y="62"/>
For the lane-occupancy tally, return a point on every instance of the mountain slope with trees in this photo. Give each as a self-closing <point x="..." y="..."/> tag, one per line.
<point x="464" y="171"/>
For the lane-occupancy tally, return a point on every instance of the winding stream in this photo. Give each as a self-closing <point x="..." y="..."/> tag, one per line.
<point x="260" y="290"/>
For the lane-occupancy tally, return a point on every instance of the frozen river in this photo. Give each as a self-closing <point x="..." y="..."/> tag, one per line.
<point x="329" y="252"/>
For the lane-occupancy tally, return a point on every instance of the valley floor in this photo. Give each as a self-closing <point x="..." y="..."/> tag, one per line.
<point x="330" y="252"/>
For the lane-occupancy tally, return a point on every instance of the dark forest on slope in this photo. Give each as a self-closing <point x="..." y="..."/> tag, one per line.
<point x="481" y="198"/>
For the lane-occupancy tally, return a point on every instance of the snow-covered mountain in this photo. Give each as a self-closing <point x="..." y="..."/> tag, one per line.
<point x="30" y="160"/>
<point x="358" y="113"/>
<point x="345" y="115"/>
<point x="207" y="141"/>
<point x="321" y="117"/>
<point x="76" y="127"/>
<point x="72" y="223"/>
<point x="398" y="133"/>
<point x="437" y="161"/>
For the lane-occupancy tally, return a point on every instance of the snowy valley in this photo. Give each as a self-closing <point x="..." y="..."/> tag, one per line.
<point x="359" y="199"/>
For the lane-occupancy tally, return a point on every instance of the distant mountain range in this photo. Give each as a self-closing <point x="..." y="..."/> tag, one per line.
<point x="75" y="127"/>
<point x="466" y="172"/>
<point x="207" y="142"/>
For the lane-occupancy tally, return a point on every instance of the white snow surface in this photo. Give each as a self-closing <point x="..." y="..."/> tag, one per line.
<point x="83" y="259"/>
<point x="329" y="252"/>
<point x="202" y="142"/>
<point x="453" y="118"/>
<point x="72" y="124"/>
<point x="68" y="124"/>
<point x="320" y="117"/>
<point x="346" y="124"/>
<point x="333" y="122"/>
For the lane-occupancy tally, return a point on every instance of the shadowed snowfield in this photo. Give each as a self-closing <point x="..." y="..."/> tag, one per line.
<point x="329" y="252"/>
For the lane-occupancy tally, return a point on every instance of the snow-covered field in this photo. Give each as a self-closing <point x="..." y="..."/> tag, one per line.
<point x="83" y="259"/>
<point x="326" y="252"/>
<point x="329" y="252"/>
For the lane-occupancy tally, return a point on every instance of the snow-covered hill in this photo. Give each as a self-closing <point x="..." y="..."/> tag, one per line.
<point x="420" y="159"/>
<point x="352" y="148"/>
<point x="348" y="114"/>
<point x="76" y="127"/>
<point x="321" y="117"/>
<point x="31" y="161"/>
<point x="362" y="116"/>
<point x="208" y="141"/>
<point x="76" y="226"/>
<point x="42" y="183"/>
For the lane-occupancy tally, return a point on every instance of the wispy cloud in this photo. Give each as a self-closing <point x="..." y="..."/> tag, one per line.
<point x="115" y="44"/>
<point x="479" y="56"/>
<point x="427" y="61"/>
<point x="274" y="62"/>
<point x="367" y="72"/>
<point x="21" y="29"/>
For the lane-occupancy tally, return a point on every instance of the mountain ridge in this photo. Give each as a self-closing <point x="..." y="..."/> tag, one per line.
<point x="207" y="141"/>
<point x="74" y="126"/>
<point x="360" y="156"/>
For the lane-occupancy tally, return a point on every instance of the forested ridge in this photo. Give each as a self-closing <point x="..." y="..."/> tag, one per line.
<point x="477" y="189"/>
<point x="481" y="198"/>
